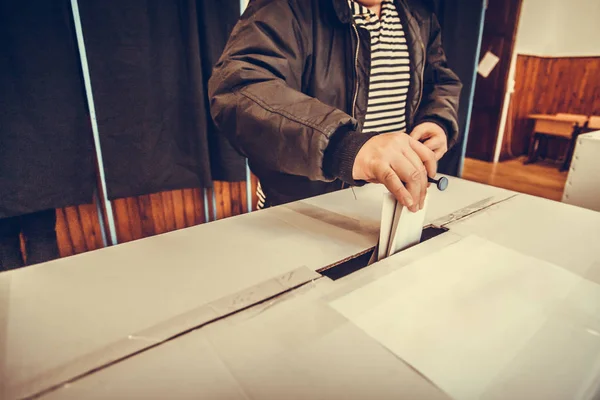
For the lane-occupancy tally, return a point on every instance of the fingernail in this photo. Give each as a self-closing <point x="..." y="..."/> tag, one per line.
<point x="409" y="202"/>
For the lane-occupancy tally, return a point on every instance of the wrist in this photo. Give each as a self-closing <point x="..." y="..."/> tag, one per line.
<point x="340" y="156"/>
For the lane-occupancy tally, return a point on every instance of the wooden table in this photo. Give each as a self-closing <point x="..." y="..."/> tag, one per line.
<point x="576" y="118"/>
<point x="561" y="126"/>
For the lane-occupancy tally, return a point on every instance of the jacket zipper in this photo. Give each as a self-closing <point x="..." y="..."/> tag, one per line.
<point x="355" y="71"/>
<point x="422" y="78"/>
<point x="355" y="98"/>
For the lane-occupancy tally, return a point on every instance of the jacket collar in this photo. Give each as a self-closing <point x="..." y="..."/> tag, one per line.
<point x="342" y="11"/>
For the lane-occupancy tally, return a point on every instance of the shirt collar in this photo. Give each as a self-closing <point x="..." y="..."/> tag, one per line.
<point x="358" y="9"/>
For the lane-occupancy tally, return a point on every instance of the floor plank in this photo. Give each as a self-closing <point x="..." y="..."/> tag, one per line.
<point x="541" y="179"/>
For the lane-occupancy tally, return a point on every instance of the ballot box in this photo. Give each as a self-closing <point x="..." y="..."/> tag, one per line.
<point x="63" y="319"/>
<point x="583" y="183"/>
<point x="503" y="303"/>
<point x="483" y="311"/>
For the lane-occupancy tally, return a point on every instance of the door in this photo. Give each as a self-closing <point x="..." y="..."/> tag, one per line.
<point x="501" y="20"/>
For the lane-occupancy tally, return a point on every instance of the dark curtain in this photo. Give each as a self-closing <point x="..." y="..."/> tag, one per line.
<point x="149" y="94"/>
<point x="46" y="147"/>
<point x="460" y="20"/>
<point x="216" y="20"/>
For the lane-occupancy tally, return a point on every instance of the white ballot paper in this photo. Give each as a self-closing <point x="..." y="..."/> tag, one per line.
<point x="400" y="228"/>
<point x="485" y="322"/>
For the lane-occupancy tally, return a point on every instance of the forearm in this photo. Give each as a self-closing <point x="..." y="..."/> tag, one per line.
<point x="257" y="103"/>
<point x="278" y="127"/>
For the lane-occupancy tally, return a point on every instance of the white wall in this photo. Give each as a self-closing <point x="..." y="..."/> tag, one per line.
<point x="559" y="28"/>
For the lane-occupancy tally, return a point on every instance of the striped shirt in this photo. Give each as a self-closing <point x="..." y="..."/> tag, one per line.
<point x="390" y="67"/>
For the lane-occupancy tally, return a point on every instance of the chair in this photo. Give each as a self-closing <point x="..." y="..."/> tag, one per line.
<point x="560" y="126"/>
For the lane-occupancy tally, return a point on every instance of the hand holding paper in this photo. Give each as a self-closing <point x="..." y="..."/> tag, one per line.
<point x="394" y="158"/>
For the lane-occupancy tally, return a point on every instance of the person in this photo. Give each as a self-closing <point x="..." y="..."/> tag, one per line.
<point x="324" y="94"/>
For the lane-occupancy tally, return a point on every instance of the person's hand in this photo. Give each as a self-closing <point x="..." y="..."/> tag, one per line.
<point x="433" y="136"/>
<point x="394" y="158"/>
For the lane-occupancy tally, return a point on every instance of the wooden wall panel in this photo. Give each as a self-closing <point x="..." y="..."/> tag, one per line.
<point x="231" y="198"/>
<point x="148" y="215"/>
<point x="78" y="229"/>
<point x="549" y="86"/>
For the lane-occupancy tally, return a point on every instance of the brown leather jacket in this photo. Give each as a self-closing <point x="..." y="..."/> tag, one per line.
<point x="290" y="91"/>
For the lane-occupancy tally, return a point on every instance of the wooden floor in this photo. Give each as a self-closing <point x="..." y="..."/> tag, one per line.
<point x="541" y="179"/>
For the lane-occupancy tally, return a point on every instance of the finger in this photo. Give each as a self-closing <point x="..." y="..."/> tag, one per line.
<point x="434" y="143"/>
<point x="439" y="150"/>
<point x="411" y="176"/>
<point x="422" y="134"/>
<point x="437" y="145"/>
<point x="426" y="155"/>
<point x="439" y="153"/>
<point x="392" y="182"/>
<point x="422" y="174"/>
<point x="418" y="133"/>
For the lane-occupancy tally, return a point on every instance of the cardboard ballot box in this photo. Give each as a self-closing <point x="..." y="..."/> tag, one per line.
<point x="504" y="304"/>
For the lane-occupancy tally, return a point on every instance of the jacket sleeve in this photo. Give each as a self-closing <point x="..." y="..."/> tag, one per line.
<point x="255" y="95"/>
<point x="441" y="88"/>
